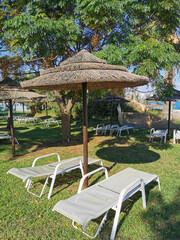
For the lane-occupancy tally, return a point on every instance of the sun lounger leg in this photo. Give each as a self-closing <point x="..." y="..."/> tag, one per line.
<point x="143" y="195"/>
<point x="16" y="141"/>
<point x="29" y="185"/>
<point x="45" y="184"/>
<point x="99" y="228"/>
<point x="158" y="181"/>
<point x="115" y="223"/>
<point x="52" y="185"/>
<point x="119" y="133"/>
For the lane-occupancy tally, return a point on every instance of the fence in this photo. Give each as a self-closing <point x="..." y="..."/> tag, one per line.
<point x="148" y="120"/>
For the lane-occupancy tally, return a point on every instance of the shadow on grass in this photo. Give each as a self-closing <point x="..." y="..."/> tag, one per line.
<point x="34" y="137"/>
<point x="163" y="217"/>
<point x="136" y="153"/>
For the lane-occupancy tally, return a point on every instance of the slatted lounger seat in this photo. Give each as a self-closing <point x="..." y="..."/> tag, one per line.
<point x="98" y="199"/>
<point x="50" y="170"/>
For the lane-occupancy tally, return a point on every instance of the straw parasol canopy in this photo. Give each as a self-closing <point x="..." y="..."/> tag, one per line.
<point x="8" y="83"/>
<point x="19" y="95"/>
<point x="85" y="67"/>
<point x="85" y="71"/>
<point x="175" y="97"/>
<point x="11" y="90"/>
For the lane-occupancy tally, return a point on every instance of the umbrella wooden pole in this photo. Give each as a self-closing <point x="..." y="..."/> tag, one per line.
<point x="85" y="134"/>
<point x="9" y="118"/>
<point x="23" y="109"/>
<point x="169" y="120"/>
<point x="12" y="127"/>
<point x="46" y="111"/>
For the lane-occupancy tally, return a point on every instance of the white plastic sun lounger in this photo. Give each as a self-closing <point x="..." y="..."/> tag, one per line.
<point x="100" y="198"/>
<point x="50" y="170"/>
<point x="120" y="129"/>
<point x="6" y="136"/>
<point x="101" y="128"/>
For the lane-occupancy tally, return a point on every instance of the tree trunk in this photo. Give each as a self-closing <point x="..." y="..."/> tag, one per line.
<point x="33" y="111"/>
<point x="65" y="106"/>
<point x="12" y="127"/>
<point x="165" y="110"/>
<point x="66" y="127"/>
<point x="8" y="120"/>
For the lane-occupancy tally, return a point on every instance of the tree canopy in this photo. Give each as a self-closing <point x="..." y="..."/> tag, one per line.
<point x="129" y="32"/>
<point x="135" y="33"/>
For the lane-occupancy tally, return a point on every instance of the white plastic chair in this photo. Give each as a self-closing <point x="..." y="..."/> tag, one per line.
<point x="108" y="194"/>
<point x="158" y="133"/>
<point x="176" y="135"/>
<point x="106" y="128"/>
<point x="99" y="128"/>
<point x="113" y="128"/>
<point x="124" y="128"/>
<point x="50" y="170"/>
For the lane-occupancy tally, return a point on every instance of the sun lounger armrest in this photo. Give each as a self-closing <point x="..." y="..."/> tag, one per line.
<point x="35" y="160"/>
<point x="131" y="188"/>
<point x="91" y="173"/>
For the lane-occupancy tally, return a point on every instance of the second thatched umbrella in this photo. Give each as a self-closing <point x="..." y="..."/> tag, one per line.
<point x="10" y="90"/>
<point x="175" y="97"/>
<point x="85" y="71"/>
<point x="113" y="99"/>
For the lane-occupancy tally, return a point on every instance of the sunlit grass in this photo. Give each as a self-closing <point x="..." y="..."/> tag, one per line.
<point x="23" y="216"/>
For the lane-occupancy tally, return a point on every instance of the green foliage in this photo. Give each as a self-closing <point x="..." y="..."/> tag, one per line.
<point x="164" y="90"/>
<point x="136" y="34"/>
<point x="47" y="35"/>
<point x="98" y="15"/>
<point x="146" y="41"/>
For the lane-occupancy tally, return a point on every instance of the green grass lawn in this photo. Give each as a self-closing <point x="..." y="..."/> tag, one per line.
<point x="24" y="216"/>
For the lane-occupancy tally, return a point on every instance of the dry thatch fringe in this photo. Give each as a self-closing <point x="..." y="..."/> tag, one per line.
<point x="19" y="94"/>
<point x="85" y="67"/>
<point x="8" y="83"/>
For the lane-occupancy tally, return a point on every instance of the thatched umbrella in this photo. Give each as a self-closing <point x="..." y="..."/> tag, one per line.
<point x="85" y="71"/>
<point x="10" y="90"/>
<point x="175" y="97"/>
<point x="115" y="99"/>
